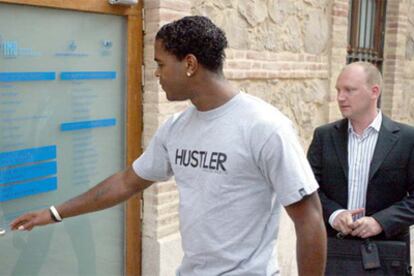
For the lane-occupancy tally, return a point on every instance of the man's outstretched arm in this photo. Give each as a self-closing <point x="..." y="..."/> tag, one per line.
<point x="111" y="191"/>
<point x="310" y="235"/>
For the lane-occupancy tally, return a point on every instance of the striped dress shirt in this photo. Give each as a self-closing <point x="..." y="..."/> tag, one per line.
<point x="360" y="152"/>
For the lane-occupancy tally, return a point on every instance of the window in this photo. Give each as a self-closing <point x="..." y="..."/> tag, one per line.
<point x="366" y="31"/>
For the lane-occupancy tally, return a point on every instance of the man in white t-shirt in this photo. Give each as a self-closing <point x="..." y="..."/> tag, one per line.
<point x="235" y="158"/>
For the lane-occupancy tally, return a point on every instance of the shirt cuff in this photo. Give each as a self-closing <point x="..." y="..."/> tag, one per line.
<point x="334" y="215"/>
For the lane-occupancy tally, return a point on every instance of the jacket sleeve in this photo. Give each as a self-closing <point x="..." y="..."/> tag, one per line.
<point x="315" y="157"/>
<point x="400" y="215"/>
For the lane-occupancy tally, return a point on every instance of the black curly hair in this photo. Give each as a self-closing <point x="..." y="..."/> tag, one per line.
<point x="195" y="35"/>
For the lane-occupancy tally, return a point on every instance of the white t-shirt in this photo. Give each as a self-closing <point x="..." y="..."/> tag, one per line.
<point x="234" y="166"/>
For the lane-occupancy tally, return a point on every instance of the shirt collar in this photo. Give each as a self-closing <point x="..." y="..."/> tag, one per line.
<point x="375" y="124"/>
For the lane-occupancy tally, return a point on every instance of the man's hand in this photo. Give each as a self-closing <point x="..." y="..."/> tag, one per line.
<point x="344" y="223"/>
<point x="32" y="219"/>
<point x="111" y="191"/>
<point x="366" y="227"/>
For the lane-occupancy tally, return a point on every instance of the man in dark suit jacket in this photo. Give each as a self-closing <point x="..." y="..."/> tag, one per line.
<point x="364" y="163"/>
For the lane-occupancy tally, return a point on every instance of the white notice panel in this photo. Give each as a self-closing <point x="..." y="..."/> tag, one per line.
<point x="62" y="92"/>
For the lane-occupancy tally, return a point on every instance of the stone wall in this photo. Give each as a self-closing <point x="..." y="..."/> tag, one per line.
<point x="278" y="50"/>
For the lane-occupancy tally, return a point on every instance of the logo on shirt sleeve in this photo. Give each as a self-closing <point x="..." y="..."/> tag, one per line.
<point x="302" y="192"/>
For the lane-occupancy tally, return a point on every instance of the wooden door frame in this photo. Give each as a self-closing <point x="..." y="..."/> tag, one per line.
<point x="133" y="124"/>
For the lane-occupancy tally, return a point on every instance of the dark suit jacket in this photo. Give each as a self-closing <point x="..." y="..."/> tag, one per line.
<point x="390" y="192"/>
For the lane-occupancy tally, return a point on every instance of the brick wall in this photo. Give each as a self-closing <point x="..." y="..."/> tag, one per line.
<point x="340" y="10"/>
<point x="394" y="58"/>
<point x="160" y="208"/>
<point x="408" y="95"/>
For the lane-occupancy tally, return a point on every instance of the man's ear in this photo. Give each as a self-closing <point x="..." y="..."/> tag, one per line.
<point x="376" y="91"/>
<point x="191" y="64"/>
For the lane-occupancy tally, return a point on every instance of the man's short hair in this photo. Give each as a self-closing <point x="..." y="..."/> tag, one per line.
<point x="372" y="73"/>
<point x="195" y="35"/>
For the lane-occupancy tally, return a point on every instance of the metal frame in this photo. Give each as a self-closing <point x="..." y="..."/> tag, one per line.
<point x="356" y="51"/>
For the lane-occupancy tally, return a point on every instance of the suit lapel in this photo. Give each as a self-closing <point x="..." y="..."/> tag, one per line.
<point x="388" y="135"/>
<point x="340" y="140"/>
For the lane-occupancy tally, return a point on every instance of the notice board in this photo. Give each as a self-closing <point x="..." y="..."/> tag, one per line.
<point x="62" y="92"/>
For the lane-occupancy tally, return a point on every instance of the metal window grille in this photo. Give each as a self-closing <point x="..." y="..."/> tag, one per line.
<point x="366" y="32"/>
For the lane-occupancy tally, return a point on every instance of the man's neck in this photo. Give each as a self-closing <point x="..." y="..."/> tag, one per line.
<point x="212" y="93"/>
<point x="360" y="124"/>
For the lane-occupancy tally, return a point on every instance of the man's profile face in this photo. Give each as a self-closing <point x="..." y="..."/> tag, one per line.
<point x="354" y="96"/>
<point x="170" y="72"/>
